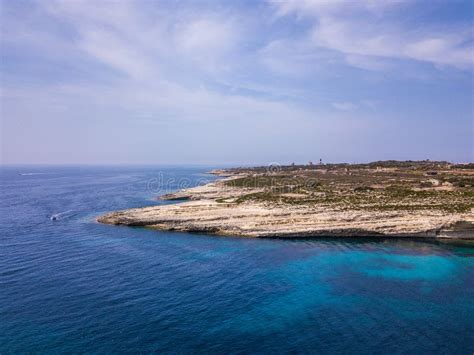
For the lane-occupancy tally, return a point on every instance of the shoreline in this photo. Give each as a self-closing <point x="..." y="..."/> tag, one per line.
<point x="226" y="209"/>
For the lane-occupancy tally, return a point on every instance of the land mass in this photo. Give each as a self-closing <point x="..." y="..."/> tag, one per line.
<point x="378" y="199"/>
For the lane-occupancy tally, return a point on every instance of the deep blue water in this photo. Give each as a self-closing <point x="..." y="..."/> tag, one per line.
<point x="75" y="286"/>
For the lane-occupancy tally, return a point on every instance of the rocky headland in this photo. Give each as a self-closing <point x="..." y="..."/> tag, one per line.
<point x="380" y="199"/>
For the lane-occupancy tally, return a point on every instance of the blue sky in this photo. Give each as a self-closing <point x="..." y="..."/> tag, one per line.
<point x="236" y="82"/>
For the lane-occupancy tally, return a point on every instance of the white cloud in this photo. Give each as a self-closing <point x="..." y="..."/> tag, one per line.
<point x="206" y="35"/>
<point x="145" y="44"/>
<point x="173" y="70"/>
<point x="361" y="29"/>
<point x="117" y="53"/>
<point x="312" y="8"/>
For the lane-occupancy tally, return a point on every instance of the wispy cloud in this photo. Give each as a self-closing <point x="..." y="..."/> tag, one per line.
<point x="365" y="31"/>
<point x="248" y="72"/>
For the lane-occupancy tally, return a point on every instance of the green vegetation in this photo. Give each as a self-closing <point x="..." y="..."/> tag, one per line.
<point x="387" y="185"/>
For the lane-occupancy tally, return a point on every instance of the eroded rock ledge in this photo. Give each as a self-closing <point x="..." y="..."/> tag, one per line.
<point x="334" y="206"/>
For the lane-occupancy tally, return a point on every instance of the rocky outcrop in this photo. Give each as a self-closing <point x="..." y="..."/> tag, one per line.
<point x="212" y="209"/>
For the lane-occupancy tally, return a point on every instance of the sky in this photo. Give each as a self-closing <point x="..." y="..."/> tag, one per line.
<point x="236" y="82"/>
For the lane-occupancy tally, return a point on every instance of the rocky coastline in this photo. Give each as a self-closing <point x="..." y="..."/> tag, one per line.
<point x="329" y="201"/>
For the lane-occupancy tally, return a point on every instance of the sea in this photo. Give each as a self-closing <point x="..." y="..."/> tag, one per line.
<point x="71" y="285"/>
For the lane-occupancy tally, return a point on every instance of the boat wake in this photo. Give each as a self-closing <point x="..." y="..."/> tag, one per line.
<point x="61" y="215"/>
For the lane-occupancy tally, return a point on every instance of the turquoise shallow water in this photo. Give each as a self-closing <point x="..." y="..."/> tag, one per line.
<point x="73" y="285"/>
